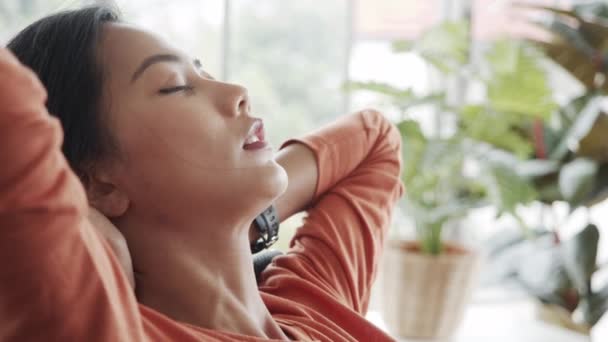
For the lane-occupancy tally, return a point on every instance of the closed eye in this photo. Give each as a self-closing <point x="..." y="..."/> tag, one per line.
<point x="170" y="90"/>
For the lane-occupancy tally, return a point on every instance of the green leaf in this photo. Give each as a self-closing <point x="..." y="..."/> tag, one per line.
<point x="382" y="88"/>
<point x="579" y="255"/>
<point x="577" y="180"/>
<point x="505" y="239"/>
<point x="579" y="129"/>
<point x="445" y="46"/>
<point x="595" y="145"/>
<point x="595" y="305"/>
<point x="543" y="275"/>
<point x="549" y="193"/>
<point x="517" y="82"/>
<point x="572" y="35"/>
<point x="430" y="223"/>
<point x="593" y="9"/>
<point x="403" y="46"/>
<point x="571" y="111"/>
<point x="410" y="130"/>
<point x="536" y="167"/>
<point x="437" y="191"/>
<point x="413" y="146"/>
<point x="507" y="189"/>
<point x="437" y="99"/>
<point x="600" y="190"/>
<point x="435" y="176"/>
<point x="593" y="308"/>
<point x="493" y="128"/>
<point x="402" y="98"/>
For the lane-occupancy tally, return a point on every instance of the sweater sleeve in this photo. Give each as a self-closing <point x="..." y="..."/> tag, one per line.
<point x="337" y="249"/>
<point x="59" y="280"/>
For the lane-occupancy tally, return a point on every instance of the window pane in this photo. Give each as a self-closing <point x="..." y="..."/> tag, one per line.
<point x="15" y="15"/>
<point x="290" y="55"/>
<point x="390" y="19"/>
<point x="375" y="61"/>
<point x="377" y="25"/>
<point x="192" y="25"/>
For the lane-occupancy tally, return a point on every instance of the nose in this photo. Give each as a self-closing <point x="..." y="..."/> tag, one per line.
<point x="243" y="104"/>
<point x="232" y="99"/>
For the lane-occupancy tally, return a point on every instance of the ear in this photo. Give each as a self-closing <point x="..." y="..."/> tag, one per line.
<point x="105" y="196"/>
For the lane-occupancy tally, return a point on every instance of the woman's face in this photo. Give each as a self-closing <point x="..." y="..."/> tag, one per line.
<point x="181" y="134"/>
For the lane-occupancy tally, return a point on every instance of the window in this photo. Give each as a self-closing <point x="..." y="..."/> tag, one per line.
<point x="290" y="55"/>
<point x="394" y="19"/>
<point x="16" y="14"/>
<point x="191" y="25"/>
<point x="376" y="25"/>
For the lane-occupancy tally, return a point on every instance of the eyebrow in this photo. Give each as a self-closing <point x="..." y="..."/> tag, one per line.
<point x="152" y="60"/>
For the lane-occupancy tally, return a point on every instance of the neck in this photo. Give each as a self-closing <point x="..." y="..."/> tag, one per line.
<point x="207" y="282"/>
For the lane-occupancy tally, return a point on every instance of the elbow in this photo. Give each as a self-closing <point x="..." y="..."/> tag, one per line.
<point x="388" y="142"/>
<point x="396" y="158"/>
<point x="388" y="149"/>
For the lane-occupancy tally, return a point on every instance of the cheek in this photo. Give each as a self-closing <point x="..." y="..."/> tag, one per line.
<point x="177" y="153"/>
<point x="178" y="136"/>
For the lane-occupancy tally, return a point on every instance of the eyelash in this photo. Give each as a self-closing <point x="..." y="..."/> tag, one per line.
<point x="171" y="90"/>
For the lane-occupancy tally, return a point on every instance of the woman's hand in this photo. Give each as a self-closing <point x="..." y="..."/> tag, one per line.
<point x="116" y="241"/>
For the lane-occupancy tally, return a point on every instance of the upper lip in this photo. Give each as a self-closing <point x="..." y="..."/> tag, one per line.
<point x="257" y="129"/>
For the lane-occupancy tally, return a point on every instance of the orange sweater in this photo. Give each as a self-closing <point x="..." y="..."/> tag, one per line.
<point x="60" y="282"/>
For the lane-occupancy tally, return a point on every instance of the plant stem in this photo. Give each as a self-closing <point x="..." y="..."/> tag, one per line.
<point x="430" y="241"/>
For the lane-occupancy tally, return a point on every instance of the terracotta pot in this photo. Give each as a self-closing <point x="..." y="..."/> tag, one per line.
<point x="424" y="296"/>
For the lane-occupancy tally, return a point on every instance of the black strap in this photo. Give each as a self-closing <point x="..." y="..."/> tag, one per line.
<point x="267" y="224"/>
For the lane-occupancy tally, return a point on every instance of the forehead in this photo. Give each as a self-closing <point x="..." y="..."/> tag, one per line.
<point x="123" y="47"/>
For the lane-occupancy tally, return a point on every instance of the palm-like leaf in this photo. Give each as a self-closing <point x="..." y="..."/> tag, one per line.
<point x="595" y="305"/>
<point x="382" y="88"/>
<point x="579" y="129"/>
<point x="578" y="43"/>
<point x="577" y="180"/>
<point x="595" y="145"/>
<point x="507" y="189"/>
<point x="579" y="256"/>
<point x="517" y="83"/>
<point x="504" y="134"/>
<point x="445" y="46"/>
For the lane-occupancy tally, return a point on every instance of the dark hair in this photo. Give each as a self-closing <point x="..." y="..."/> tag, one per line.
<point x="62" y="50"/>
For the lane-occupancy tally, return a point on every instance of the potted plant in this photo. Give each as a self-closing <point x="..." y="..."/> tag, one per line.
<point x="563" y="273"/>
<point x="483" y="160"/>
<point x="430" y="279"/>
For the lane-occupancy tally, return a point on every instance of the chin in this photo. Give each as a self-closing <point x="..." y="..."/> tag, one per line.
<point x="274" y="181"/>
<point x="248" y="191"/>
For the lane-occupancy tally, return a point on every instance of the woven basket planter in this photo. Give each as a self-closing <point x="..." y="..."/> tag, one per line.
<point x="560" y="317"/>
<point x="424" y="296"/>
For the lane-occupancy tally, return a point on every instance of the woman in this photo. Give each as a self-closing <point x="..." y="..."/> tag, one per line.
<point x="180" y="166"/>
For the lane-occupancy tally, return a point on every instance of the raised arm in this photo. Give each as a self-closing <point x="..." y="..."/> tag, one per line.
<point x="338" y="247"/>
<point x="58" y="281"/>
<point x="301" y="165"/>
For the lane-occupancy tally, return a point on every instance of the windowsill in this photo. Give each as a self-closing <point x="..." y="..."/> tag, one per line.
<point x="494" y="316"/>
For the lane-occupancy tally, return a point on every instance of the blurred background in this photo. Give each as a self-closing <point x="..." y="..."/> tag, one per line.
<point x="501" y="106"/>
